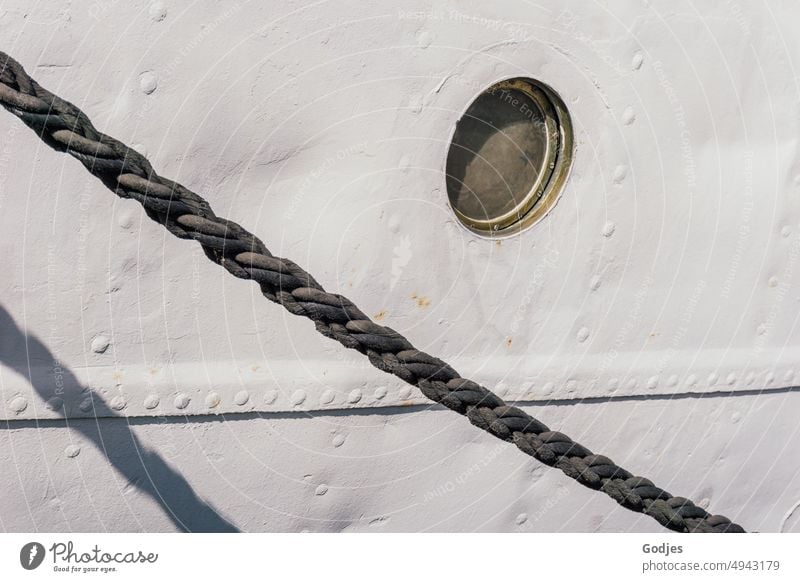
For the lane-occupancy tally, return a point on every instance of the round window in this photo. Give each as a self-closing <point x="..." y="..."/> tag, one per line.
<point x="509" y="157"/>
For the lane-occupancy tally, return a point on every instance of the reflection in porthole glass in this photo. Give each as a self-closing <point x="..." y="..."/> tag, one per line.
<point x="509" y="157"/>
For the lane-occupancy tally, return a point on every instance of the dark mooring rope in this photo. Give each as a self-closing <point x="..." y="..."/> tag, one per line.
<point x="186" y="215"/>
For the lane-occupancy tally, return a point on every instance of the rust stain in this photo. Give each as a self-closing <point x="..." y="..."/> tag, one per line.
<point x="380" y="315"/>
<point x="509" y="341"/>
<point x="422" y="301"/>
<point x="254" y="368"/>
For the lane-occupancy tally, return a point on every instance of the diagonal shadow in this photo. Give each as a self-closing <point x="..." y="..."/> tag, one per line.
<point x="144" y="468"/>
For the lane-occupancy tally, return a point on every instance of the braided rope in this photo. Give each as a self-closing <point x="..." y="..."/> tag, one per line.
<point x="186" y="215"/>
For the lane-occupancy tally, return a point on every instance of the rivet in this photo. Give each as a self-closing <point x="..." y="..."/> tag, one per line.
<point x="338" y="440"/>
<point x="327" y="397"/>
<point x="731" y="379"/>
<point x="620" y="172"/>
<point x="86" y="405"/>
<point x="547" y="389"/>
<point x="380" y="392"/>
<point x="521" y="518"/>
<point x="761" y="329"/>
<point x="789" y="376"/>
<point x="529" y="389"/>
<point x="212" y="400"/>
<point x="704" y="503"/>
<point x="594" y="284"/>
<point x="354" y="396"/>
<point x="424" y="39"/>
<point x="736" y="417"/>
<point x="182" y="401"/>
<point x="158" y="12"/>
<point x="583" y="334"/>
<point x="501" y="390"/>
<point x="394" y="224"/>
<point x="298" y="397"/>
<point x="773" y="282"/>
<point x="751" y="377"/>
<point x="628" y="116"/>
<point x="321" y="489"/>
<point x="691" y="380"/>
<point x="636" y="61"/>
<point x="415" y="104"/>
<point x="72" y="451"/>
<point x="125" y="220"/>
<point x="18" y="404"/>
<point x="770" y="378"/>
<point x="673" y="380"/>
<point x="632" y="383"/>
<point x="118" y="402"/>
<point x="652" y="382"/>
<point x="270" y="396"/>
<point x="608" y="229"/>
<point x="405" y="393"/>
<point x="241" y="397"/>
<point x="712" y="378"/>
<point x="613" y="384"/>
<point x="100" y="344"/>
<point x="151" y="401"/>
<point x="786" y="231"/>
<point x="55" y="404"/>
<point x="148" y="82"/>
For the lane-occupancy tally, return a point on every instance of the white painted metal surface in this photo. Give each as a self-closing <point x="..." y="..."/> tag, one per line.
<point x="656" y="303"/>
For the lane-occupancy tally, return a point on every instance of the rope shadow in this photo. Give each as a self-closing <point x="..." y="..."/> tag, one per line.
<point x="142" y="467"/>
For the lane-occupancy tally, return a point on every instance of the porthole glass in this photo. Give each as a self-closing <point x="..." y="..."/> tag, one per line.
<point x="509" y="157"/>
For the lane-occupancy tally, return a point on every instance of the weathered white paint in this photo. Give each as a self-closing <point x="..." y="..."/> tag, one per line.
<point x="668" y="268"/>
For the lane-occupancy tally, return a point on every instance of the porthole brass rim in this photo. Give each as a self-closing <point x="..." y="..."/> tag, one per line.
<point x="555" y="168"/>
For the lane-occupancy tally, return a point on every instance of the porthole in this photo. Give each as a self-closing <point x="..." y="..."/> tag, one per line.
<point x="509" y="157"/>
